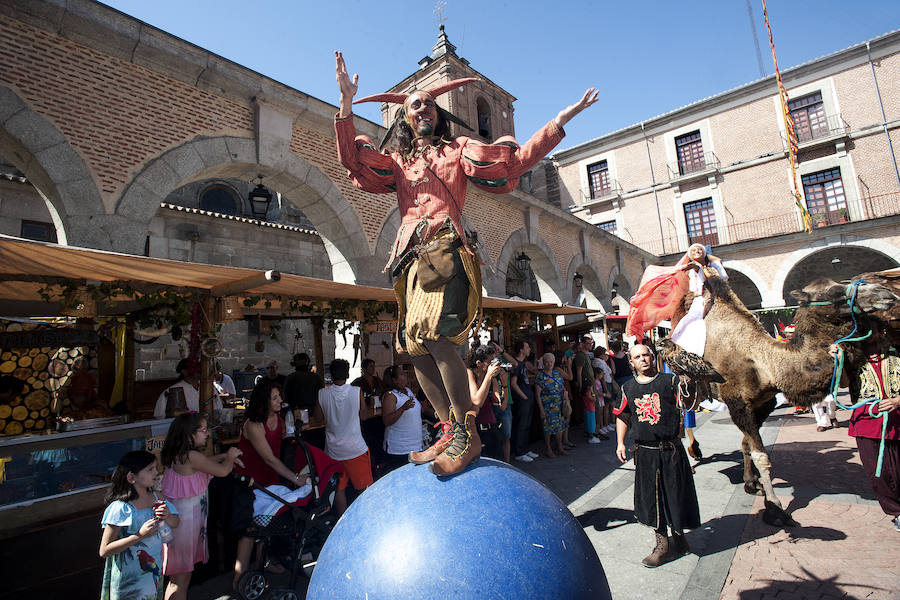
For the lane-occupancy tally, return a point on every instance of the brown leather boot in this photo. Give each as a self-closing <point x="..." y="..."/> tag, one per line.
<point x="465" y="446"/>
<point x="439" y="446"/>
<point x="680" y="545"/>
<point x="660" y="554"/>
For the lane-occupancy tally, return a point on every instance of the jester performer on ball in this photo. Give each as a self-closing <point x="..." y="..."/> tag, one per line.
<point x="437" y="278"/>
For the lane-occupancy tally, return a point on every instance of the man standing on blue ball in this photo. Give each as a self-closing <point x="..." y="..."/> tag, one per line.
<point x="664" y="493"/>
<point x="437" y="276"/>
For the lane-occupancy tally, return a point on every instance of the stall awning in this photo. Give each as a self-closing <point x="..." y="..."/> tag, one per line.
<point x="26" y="266"/>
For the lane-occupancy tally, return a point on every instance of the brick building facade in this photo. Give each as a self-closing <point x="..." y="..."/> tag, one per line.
<point x="717" y="172"/>
<point x="114" y="124"/>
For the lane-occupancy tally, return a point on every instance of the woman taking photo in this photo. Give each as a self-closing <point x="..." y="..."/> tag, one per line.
<point x="401" y="414"/>
<point x="484" y="387"/>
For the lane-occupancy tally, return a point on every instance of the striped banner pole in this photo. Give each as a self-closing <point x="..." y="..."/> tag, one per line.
<point x="793" y="142"/>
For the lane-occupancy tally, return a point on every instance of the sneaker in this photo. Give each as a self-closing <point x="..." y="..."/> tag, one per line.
<point x="532" y="454"/>
<point x="593" y="440"/>
<point x="608" y="429"/>
<point x="524" y="458"/>
<point x="896" y="522"/>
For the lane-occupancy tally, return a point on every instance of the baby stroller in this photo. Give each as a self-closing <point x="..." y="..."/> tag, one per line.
<point x="294" y="536"/>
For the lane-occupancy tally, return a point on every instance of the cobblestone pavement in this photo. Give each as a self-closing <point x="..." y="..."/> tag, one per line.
<point x="842" y="547"/>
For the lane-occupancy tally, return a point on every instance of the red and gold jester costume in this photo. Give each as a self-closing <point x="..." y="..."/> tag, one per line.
<point x="430" y="183"/>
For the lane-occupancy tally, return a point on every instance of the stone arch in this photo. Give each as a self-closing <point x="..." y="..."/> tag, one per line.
<point x="56" y="170"/>
<point x="624" y="287"/>
<point x="748" y="285"/>
<point x="298" y="181"/>
<point x="838" y="262"/>
<point x="777" y="289"/>
<point x="593" y="290"/>
<point x="744" y="288"/>
<point x="543" y="265"/>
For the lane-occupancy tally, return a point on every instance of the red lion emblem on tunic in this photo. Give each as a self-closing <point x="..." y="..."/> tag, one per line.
<point x="648" y="408"/>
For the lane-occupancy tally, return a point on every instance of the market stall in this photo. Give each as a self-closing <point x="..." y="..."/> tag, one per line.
<point x="99" y="299"/>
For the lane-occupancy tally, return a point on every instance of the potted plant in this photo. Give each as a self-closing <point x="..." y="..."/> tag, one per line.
<point x="842" y="216"/>
<point x="819" y="219"/>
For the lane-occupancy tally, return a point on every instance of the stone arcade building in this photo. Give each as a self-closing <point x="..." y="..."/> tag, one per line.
<point x="118" y="136"/>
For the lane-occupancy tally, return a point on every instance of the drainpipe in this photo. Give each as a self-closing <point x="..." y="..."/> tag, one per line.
<point x="883" y="117"/>
<point x="653" y="183"/>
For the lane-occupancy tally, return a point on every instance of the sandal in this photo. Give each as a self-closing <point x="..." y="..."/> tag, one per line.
<point x="570" y="445"/>
<point x="821" y="429"/>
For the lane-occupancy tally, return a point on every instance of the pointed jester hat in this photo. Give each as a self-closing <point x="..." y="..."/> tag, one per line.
<point x="434" y="92"/>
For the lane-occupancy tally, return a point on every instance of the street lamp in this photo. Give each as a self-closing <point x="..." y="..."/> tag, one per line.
<point x="260" y="198"/>
<point x="614" y="292"/>
<point x="522" y="261"/>
<point x="835" y="263"/>
<point x="578" y="280"/>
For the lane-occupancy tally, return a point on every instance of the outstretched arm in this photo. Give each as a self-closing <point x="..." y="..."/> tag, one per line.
<point x="568" y="113"/>
<point x="347" y="87"/>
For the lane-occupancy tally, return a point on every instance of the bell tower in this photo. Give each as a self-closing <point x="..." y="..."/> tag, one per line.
<point x="483" y="105"/>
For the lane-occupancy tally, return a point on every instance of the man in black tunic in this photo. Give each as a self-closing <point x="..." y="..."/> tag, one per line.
<point x="664" y="493"/>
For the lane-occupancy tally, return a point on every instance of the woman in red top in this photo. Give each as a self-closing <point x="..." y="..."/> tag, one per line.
<point x="261" y="446"/>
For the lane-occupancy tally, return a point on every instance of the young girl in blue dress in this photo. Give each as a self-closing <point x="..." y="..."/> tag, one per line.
<point x="131" y="543"/>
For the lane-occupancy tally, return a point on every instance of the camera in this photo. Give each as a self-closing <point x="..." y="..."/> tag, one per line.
<point x="503" y="365"/>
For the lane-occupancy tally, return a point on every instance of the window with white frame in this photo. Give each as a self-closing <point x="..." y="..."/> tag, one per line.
<point x="689" y="149"/>
<point x="700" y="220"/>
<point x="825" y="199"/>
<point x="808" y="114"/>
<point x="609" y="226"/>
<point x="598" y="179"/>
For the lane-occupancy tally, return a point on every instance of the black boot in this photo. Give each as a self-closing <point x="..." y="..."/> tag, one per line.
<point x="680" y="545"/>
<point x="660" y="554"/>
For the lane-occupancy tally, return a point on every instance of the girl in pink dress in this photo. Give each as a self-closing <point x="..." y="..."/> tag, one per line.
<point x="185" y="484"/>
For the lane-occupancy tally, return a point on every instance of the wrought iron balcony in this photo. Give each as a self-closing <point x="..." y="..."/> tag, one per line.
<point x="822" y="131"/>
<point x="684" y="170"/>
<point x="594" y="199"/>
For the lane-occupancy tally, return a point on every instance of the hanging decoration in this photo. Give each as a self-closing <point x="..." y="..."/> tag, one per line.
<point x="793" y="142"/>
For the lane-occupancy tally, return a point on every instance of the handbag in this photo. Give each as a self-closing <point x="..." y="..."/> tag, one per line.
<point x="435" y="266"/>
<point x="566" y="409"/>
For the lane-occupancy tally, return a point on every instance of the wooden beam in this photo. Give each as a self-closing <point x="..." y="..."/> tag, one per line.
<point x="128" y="391"/>
<point x="247" y="283"/>
<point x="318" y="348"/>
<point x="207" y="325"/>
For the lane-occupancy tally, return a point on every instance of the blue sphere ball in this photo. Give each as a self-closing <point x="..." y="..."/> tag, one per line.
<point x="490" y="532"/>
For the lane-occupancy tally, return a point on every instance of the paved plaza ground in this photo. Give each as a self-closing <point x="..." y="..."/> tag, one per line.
<point x="842" y="547"/>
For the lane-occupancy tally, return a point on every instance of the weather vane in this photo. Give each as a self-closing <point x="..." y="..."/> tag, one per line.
<point x="439" y="11"/>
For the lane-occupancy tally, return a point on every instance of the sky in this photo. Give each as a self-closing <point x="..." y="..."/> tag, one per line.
<point x="646" y="57"/>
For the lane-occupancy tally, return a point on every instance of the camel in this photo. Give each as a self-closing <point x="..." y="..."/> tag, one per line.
<point x="756" y="366"/>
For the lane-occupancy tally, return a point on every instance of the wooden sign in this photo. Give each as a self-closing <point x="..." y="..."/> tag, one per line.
<point x="49" y="338"/>
<point x="383" y="327"/>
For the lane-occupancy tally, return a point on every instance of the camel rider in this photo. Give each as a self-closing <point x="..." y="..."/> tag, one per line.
<point x="690" y="331"/>
<point x="664" y="493"/>
<point x="437" y="276"/>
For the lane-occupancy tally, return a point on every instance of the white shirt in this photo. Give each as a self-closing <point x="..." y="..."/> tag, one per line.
<point x="343" y="437"/>
<point x="226" y="386"/>
<point x="599" y="363"/>
<point x="191" y="399"/>
<point x="405" y="435"/>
